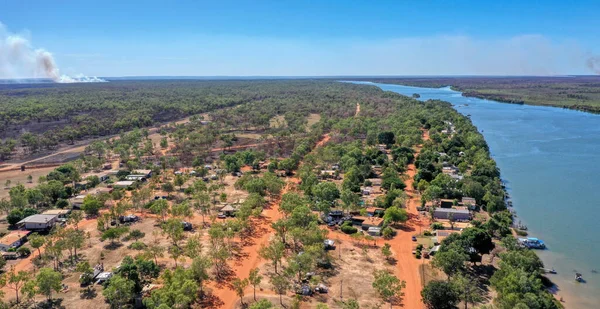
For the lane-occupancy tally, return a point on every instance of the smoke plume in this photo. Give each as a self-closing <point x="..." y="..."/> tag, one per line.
<point x="19" y="60"/>
<point x="594" y="64"/>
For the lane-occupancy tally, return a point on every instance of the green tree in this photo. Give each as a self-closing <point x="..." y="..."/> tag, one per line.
<point x="468" y="290"/>
<point x="179" y="181"/>
<point x="451" y="262"/>
<point x="439" y="294"/>
<point x="273" y="252"/>
<point x="114" y="234"/>
<point x="281" y="284"/>
<point x="386" y="251"/>
<point x="254" y="279"/>
<point x="179" y="290"/>
<point x="119" y="291"/>
<point x="160" y="207"/>
<point x="262" y="304"/>
<point x="91" y="205"/>
<point x="351" y="304"/>
<point x="48" y="281"/>
<point x="200" y="268"/>
<point x="387" y="286"/>
<point x="395" y="215"/>
<point x="238" y="286"/>
<point x="15" y="280"/>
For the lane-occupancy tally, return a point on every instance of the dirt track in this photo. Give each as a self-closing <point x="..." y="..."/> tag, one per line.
<point x="251" y="260"/>
<point x="408" y="266"/>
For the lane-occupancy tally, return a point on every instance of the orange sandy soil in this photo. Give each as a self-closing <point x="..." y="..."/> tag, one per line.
<point x="407" y="268"/>
<point x="223" y="295"/>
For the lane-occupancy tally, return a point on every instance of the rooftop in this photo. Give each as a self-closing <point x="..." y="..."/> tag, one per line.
<point x="124" y="183"/>
<point x="369" y="220"/>
<point x="12" y="237"/>
<point x="452" y="210"/>
<point x="56" y="212"/>
<point x="38" y="219"/>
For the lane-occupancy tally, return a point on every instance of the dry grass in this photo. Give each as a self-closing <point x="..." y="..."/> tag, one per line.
<point x="311" y="120"/>
<point x="278" y="122"/>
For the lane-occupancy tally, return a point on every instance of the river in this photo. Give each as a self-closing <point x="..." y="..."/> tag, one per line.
<point x="550" y="159"/>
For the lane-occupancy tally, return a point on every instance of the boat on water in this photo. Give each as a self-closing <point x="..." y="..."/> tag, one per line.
<point x="532" y="243"/>
<point x="579" y="277"/>
<point x="549" y="271"/>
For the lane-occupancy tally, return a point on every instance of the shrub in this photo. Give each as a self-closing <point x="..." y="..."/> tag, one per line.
<point x="521" y="233"/>
<point x="24" y="251"/>
<point x="387" y="232"/>
<point x="137" y="245"/>
<point x="427" y="233"/>
<point x="14" y="216"/>
<point x="418" y="255"/>
<point x="136" y="234"/>
<point x="419" y="247"/>
<point x="349" y="229"/>
<point x="437" y="226"/>
<point x="62" y="203"/>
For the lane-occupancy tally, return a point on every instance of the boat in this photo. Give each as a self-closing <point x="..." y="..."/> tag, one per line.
<point x="579" y="277"/>
<point x="532" y="243"/>
<point x="549" y="271"/>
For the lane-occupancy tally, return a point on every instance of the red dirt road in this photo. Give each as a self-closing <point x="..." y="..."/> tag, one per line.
<point x="407" y="267"/>
<point x="251" y="260"/>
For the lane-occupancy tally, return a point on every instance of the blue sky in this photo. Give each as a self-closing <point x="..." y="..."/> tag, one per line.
<point x="273" y="38"/>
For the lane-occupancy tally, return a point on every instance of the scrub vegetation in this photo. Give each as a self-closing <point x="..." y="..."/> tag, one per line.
<point x="211" y="219"/>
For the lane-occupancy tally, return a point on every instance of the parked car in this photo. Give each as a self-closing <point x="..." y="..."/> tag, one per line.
<point x="187" y="226"/>
<point x="221" y="215"/>
<point x="414" y="238"/>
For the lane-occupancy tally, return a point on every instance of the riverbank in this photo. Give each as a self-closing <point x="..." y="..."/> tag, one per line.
<point x="581" y="93"/>
<point x="539" y="150"/>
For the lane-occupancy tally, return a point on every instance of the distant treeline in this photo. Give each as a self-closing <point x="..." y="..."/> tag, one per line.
<point x="576" y="92"/>
<point x="41" y="116"/>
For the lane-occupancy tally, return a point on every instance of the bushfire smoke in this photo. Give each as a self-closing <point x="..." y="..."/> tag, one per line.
<point x="19" y="60"/>
<point x="594" y="64"/>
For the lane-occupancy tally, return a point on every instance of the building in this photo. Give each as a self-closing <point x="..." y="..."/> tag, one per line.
<point x="145" y="173"/>
<point x="101" y="176"/>
<point x="123" y="184"/>
<point x="14" y="239"/>
<point x="82" y="185"/>
<point x="374" y="231"/>
<point x="457" y="214"/>
<point x="367" y="222"/>
<point x="38" y="222"/>
<point x="101" y="190"/>
<point x="440" y="235"/>
<point x="61" y="213"/>
<point x="374" y="211"/>
<point x="136" y="177"/>
<point x="446" y="203"/>
<point x="366" y="190"/>
<point x="228" y="210"/>
<point x="77" y="201"/>
<point x="469" y="201"/>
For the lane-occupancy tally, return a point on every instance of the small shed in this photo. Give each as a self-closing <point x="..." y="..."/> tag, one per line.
<point x="374" y="231"/>
<point x="228" y="210"/>
<point x="77" y="201"/>
<point x="123" y="184"/>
